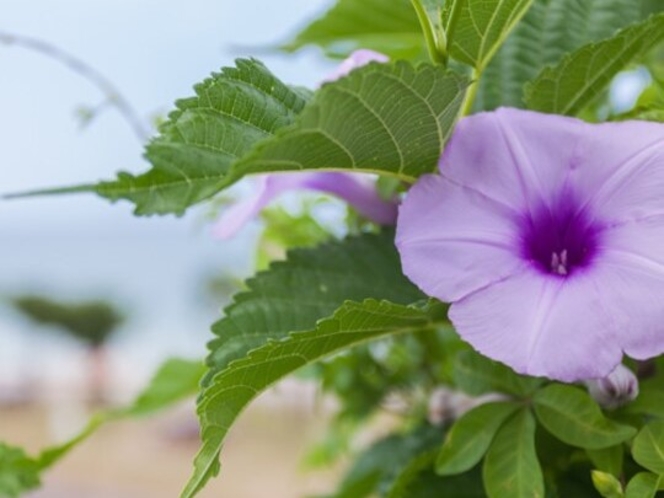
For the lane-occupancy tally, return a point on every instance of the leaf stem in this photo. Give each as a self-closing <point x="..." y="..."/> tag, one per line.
<point x="437" y="51"/>
<point x="471" y="93"/>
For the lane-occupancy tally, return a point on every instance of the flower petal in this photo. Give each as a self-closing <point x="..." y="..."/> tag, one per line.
<point x="632" y="267"/>
<point x="235" y="217"/>
<point x="453" y="240"/>
<point x="356" y="190"/>
<point x="543" y="326"/>
<point x="622" y="172"/>
<point x="357" y="59"/>
<point x="519" y="158"/>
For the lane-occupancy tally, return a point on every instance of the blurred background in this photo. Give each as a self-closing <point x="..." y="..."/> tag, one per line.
<point x="152" y="275"/>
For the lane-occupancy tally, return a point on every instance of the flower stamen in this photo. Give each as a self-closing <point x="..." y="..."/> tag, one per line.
<point x="559" y="262"/>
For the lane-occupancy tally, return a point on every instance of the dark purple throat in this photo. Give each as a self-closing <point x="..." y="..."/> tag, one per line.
<point x="560" y="239"/>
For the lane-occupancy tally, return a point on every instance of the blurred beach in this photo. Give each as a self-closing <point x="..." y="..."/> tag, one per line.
<point x="152" y="458"/>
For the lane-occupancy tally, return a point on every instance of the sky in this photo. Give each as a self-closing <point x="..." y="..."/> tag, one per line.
<point x="81" y="246"/>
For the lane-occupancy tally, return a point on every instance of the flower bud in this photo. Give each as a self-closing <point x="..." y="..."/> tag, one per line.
<point x="616" y="389"/>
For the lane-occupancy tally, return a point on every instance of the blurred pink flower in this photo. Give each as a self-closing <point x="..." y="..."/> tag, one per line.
<point x="358" y="190"/>
<point x="357" y="59"/>
<point x="546" y="234"/>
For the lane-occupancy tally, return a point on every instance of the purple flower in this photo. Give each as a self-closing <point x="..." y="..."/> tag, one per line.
<point x="357" y="190"/>
<point x="547" y="236"/>
<point x="357" y="59"/>
<point x="616" y="389"/>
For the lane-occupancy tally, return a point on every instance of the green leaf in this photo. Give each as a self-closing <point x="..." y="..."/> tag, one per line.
<point x="650" y="400"/>
<point x="511" y="467"/>
<point x="607" y="485"/>
<point x="388" y="27"/>
<point x="376" y="468"/>
<point x="571" y="415"/>
<point x="648" y="447"/>
<point x="477" y="375"/>
<point x="475" y="30"/>
<point x="417" y="479"/>
<point x="470" y="437"/>
<point x="429" y="13"/>
<point x="571" y="85"/>
<point x="384" y="118"/>
<point x="231" y="111"/>
<point x="311" y="284"/>
<point x="18" y="472"/>
<point x="550" y="29"/>
<point x="234" y="387"/>
<point x="177" y="379"/>
<point x="608" y="459"/>
<point x="643" y="485"/>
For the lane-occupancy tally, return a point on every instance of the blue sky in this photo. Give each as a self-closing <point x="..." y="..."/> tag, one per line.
<point x="76" y="246"/>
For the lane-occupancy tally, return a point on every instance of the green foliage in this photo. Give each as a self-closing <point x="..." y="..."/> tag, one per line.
<point x="643" y="485"/>
<point x="475" y="30"/>
<point x="476" y="375"/>
<point x="609" y="459"/>
<point x="311" y="284"/>
<point x="232" y="110"/>
<point x="607" y="485"/>
<point x="580" y="76"/>
<point x="383" y="118"/>
<point x="18" y="472"/>
<point x="574" y="417"/>
<point x="388" y="27"/>
<point x="418" y="480"/>
<point x="511" y="467"/>
<point x="648" y="447"/>
<point x="650" y="400"/>
<point x="92" y="322"/>
<point x="232" y="388"/>
<point x="470" y="437"/>
<point x="377" y="467"/>
<point x="363" y="377"/>
<point x="175" y="380"/>
<point x="549" y="30"/>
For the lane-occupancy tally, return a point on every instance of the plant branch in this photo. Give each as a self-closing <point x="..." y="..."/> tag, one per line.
<point x="113" y="96"/>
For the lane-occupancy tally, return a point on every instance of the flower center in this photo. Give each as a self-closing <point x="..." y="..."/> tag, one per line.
<point x="559" y="240"/>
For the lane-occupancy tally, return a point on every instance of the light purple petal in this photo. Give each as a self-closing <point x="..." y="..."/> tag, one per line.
<point x="517" y="158"/>
<point x="454" y="240"/>
<point x="358" y="191"/>
<point x="557" y="328"/>
<point x="357" y="59"/>
<point x="622" y="174"/>
<point x="631" y="272"/>
<point x="239" y="214"/>
<point x="547" y="235"/>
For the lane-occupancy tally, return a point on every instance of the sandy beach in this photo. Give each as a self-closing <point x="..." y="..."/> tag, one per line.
<point x="151" y="458"/>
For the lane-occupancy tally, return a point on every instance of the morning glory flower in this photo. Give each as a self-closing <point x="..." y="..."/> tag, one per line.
<point x="355" y="60"/>
<point x="616" y="389"/>
<point x="358" y="190"/>
<point x="546" y="234"/>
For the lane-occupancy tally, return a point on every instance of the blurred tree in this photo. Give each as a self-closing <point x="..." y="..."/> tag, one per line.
<point x="90" y="322"/>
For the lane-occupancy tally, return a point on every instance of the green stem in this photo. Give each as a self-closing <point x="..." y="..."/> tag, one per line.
<point x="437" y="53"/>
<point x="471" y="93"/>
